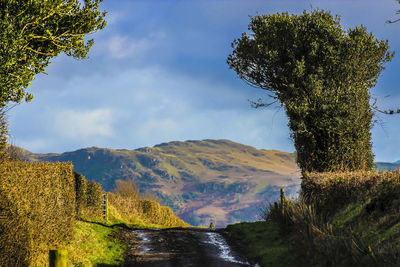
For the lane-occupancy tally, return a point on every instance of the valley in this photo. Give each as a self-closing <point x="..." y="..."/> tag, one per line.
<point x="204" y="181"/>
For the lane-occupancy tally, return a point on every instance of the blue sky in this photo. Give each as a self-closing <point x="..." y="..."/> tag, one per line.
<point x="158" y="73"/>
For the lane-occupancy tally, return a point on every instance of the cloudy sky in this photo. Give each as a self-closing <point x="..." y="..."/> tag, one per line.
<point x="158" y="73"/>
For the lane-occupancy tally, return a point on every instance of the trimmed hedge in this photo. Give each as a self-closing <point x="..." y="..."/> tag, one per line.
<point x="331" y="191"/>
<point x="80" y="190"/>
<point x="89" y="198"/>
<point x="37" y="209"/>
<point x="152" y="212"/>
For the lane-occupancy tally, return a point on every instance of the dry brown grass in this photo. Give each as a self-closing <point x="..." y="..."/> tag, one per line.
<point x="131" y="207"/>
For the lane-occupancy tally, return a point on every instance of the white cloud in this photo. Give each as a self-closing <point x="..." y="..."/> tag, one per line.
<point x="144" y="107"/>
<point x="157" y="74"/>
<point x="74" y="124"/>
<point x="125" y="46"/>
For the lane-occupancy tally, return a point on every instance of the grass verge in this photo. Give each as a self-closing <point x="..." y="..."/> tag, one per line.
<point x="261" y="242"/>
<point x="343" y="220"/>
<point x="93" y="245"/>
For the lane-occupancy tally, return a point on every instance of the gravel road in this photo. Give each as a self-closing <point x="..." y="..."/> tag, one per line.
<point x="179" y="247"/>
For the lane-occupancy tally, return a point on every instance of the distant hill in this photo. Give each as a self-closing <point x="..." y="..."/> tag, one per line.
<point x="387" y="166"/>
<point x="203" y="181"/>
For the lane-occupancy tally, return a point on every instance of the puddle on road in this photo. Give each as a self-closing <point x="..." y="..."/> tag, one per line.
<point x="213" y="240"/>
<point x="144" y="241"/>
<point x="225" y="252"/>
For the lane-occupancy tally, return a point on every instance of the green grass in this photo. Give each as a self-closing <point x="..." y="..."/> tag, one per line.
<point x="349" y="214"/>
<point x="262" y="242"/>
<point x="93" y="245"/>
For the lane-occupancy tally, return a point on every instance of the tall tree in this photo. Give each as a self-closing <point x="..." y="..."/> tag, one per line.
<point x="322" y="76"/>
<point x="34" y="31"/>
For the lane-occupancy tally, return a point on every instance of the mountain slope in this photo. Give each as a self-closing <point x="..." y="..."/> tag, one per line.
<point x="387" y="166"/>
<point x="203" y="181"/>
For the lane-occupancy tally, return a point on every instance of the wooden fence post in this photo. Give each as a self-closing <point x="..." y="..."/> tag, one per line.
<point x="58" y="258"/>
<point x="105" y="212"/>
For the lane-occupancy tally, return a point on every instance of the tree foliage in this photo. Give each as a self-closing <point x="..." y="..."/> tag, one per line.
<point x="34" y="31"/>
<point x="322" y="75"/>
<point x="397" y="12"/>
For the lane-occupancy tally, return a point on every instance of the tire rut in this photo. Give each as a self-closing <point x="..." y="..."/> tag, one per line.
<point x="180" y="247"/>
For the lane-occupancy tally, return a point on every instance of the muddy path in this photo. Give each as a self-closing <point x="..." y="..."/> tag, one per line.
<point x="179" y="247"/>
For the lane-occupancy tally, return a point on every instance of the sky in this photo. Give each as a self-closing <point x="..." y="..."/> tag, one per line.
<point x="158" y="73"/>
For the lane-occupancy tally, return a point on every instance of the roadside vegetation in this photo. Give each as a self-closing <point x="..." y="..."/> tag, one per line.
<point x="96" y="241"/>
<point x="260" y="242"/>
<point x="346" y="215"/>
<point x="322" y="74"/>
<point x="340" y="219"/>
<point x="94" y="244"/>
<point x="47" y="206"/>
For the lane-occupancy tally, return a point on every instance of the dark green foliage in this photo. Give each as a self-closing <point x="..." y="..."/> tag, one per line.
<point x="89" y="198"/>
<point x="33" y="32"/>
<point x="321" y="74"/>
<point x="81" y="192"/>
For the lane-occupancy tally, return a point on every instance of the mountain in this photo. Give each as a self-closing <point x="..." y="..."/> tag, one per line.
<point x="387" y="166"/>
<point x="203" y="181"/>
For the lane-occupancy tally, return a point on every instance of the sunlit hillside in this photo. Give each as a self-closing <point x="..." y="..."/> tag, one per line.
<point x="203" y="181"/>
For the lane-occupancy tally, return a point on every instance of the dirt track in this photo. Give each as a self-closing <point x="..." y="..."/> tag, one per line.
<point x="179" y="247"/>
